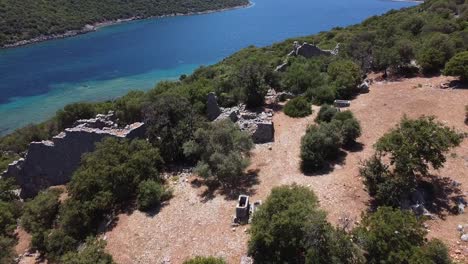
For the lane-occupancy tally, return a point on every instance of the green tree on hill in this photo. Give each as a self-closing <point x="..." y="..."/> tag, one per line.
<point x="458" y="66"/>
<point x="222" y="150"/>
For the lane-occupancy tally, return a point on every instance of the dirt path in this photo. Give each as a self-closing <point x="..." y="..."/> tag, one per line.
<point x="190" y="226"/>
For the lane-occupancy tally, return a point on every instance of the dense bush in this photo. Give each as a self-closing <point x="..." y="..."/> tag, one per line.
<point x="222" y="150"/>
<point x="10" y="210"/>
<point x="458" y="66"/>
<point x="72" y="112"/>
<point x="326" y="113"/>
<point x="350" y="129"/>
<point x="289" y="228"/>
<point x="303" y="75"/>
<point x="298" y="107"/>
<point x="416" y="144"/>
<point x="435" y="52"/>
<point x="395" y="236"/>
<point x="39" y="215"/>
<point x="250" y="77"/>
<point x="345" y="75"/>
<point x="150" y="194"/>
<point x="319" y="145"/>
<point x="171" y="122"/>
<point x="7" y="251"/>
<point x="412" y="148"/>
<point x="205" y="260"/>
<point x="93" y="252"/>
<point x="107" y="179"/>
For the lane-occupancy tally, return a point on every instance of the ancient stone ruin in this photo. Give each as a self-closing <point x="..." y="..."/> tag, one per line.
<point x="308" y="51"/>
<point x="52" y="162"/>
<point x="258" y="124"/>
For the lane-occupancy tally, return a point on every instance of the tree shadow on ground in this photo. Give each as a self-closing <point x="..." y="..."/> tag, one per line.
<point x="354" y="147"/>
<point x="213" y="188"/>
<point x="327" y="168"/>
<point x="443" y="194"/>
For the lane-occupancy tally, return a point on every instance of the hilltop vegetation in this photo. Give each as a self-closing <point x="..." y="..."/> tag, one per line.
<point x="23" y="20"/>
<point x="119" y="173"/>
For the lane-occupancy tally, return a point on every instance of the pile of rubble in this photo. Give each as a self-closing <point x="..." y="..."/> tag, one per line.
<point x="258" y="124"/>
<point x="52" y="162"/>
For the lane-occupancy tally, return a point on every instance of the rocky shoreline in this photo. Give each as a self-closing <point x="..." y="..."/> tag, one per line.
<point x="91" y="28"/>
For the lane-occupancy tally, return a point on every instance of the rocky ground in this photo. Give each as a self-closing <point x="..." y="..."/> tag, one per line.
<point x="197" y="222"/>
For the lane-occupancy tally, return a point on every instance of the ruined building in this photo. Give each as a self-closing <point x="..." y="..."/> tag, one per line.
<point x="53" y="162"/>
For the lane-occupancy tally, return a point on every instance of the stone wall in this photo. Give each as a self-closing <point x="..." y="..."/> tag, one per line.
<point x="258" y="124"/>
<point x="53" y="162"/>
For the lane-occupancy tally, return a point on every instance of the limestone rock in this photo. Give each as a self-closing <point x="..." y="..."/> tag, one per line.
<point x="464" y="237"/>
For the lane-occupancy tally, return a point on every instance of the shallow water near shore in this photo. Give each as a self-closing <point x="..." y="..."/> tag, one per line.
<point x="39" y="79"/>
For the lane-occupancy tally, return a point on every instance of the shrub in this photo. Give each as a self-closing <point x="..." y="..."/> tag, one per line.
<point x="39" y="215"/>
<point x="250" y="78"/>
<point x="128" y="108"/>
<point x="390" y="235"/>
<point x="350" y="127"/>
<point x="7" y="218"/>
<point x="205" y="260"/>
<point x="107" y="179"/>
<point x="435" y="52"/>
<point x="7" y="190"/>
<point x="326" y="113"/>
<point x="58" y="243"/>
<point x="386" y="188"/>
<point x="289" y="228"/>
<point x="345" y="76"/>
<point x="303" y="75"/>
<point x="458" y="66"/>
<point x="416" y="144"/>
<point x="411" y="148"/>
<point x="322" y="95"/>
<point x="150" y="194"/>
<point x="298" y="107"/>
<point x="93" y="252"/>
<point x="171" y="122"/>
<point x="72" y="112"/>
<point x="7" y="251"/>
<point x="221" y="149"/>
<point x="319" y="145"/>
<point x="277" y="228"/>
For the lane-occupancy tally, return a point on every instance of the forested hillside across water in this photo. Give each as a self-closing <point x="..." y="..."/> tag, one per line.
<point x="428" y="35"/>
<point x="23" y="20"/>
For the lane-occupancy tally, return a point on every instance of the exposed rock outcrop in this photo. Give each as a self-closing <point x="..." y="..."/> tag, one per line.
<point x="53" y="162"/>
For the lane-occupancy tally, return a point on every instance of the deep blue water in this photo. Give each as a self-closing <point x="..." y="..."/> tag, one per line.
<point x="37" y="80"/>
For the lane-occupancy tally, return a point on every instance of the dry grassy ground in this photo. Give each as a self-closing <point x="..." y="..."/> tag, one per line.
<point x="194" y="224"/>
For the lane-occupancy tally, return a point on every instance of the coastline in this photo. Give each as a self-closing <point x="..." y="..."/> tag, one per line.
<point x="94" y="27"/>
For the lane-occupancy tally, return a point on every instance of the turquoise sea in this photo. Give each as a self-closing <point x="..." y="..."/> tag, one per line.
<point x="39" y="79"/>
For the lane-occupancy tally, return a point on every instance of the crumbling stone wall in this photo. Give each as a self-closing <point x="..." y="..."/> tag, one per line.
<point x="53" y="162"/>
<point x="259" y="125"/>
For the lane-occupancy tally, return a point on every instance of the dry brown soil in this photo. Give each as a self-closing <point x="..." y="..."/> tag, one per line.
<point x="192" y="224"/>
